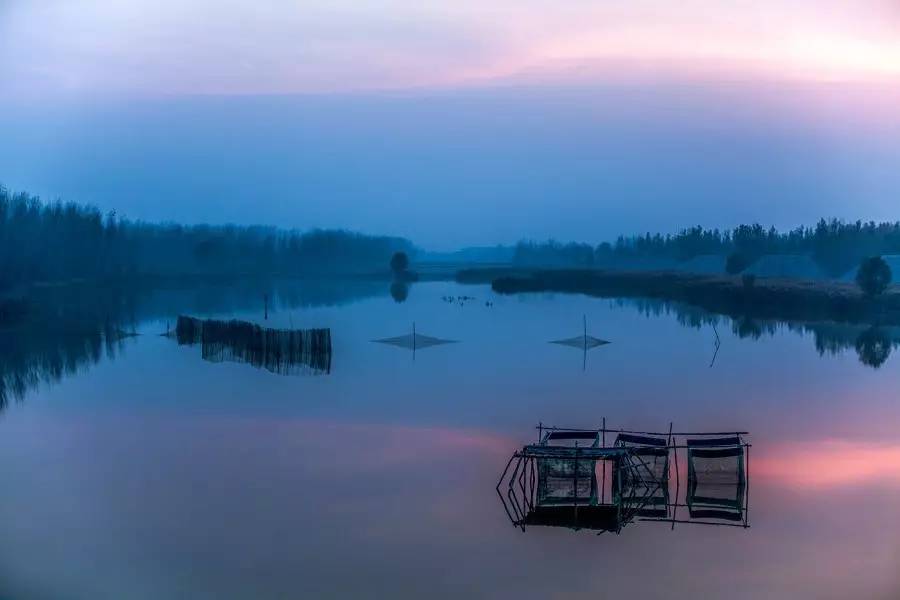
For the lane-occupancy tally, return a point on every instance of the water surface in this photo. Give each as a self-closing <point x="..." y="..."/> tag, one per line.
<point x="132" y="468"/>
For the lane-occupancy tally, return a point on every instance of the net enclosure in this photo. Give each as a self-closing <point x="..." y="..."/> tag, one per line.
<point x="572" y="478"/>
<point x="650" y="483"/>
<point x="716" y="478"/>
<point x="562" y="481"/>
<point x="281" y="351"/>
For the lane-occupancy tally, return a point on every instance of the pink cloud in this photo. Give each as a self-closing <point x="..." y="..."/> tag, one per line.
<point x="280" y="47"/>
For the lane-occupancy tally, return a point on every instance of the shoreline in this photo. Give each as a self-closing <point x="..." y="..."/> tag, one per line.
<point x="765" y="298"/>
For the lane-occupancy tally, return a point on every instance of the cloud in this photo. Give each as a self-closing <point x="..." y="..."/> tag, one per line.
<point x="280" y="46"/>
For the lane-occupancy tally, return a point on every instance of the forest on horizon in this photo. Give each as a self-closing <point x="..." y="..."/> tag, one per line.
<point x="836" y="246"/>
<point x="42" y="241"/>
<point x="53" y="241"/>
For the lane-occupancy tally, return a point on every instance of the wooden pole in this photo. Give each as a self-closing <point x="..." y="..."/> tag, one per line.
<point x="575" y="485"/>
<point x="603" y="488"/>
<point x="747" y="490"/>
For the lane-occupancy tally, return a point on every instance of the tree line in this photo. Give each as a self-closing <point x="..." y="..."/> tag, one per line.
<point x="837" y="246"/>
<point x="53" y="241"/>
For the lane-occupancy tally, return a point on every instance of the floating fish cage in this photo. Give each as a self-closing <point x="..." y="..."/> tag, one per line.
<point x="603" y="479"/>
<point x="282" y="351"/>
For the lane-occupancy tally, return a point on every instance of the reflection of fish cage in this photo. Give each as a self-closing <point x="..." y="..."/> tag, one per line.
<point x="572" y="478"/>
<point x="653" y="491"/>
<point x="717" y="479"/>
<point x="188" y="330"/>
<point x="277" y="350"/>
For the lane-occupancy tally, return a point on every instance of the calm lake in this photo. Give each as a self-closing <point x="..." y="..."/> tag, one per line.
<point x="134" y="468"/>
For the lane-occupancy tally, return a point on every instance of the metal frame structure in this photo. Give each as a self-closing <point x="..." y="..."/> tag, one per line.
<point x="639" y="488"/>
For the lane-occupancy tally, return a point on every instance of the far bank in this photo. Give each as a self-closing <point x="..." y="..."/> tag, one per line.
<point x="770" y="298"/>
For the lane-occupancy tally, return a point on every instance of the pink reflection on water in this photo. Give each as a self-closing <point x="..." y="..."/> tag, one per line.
<point x="388" y="444"/>
<point x="827" y="464"/>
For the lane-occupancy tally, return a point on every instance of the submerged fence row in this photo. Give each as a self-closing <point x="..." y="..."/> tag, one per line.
<point x="282" y="351"/>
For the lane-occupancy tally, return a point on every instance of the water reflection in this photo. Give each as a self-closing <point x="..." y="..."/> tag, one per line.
<point x="152" y="455"/>
<point x="717" y="481"/>
<point x="572" y="478"/>
<point x="831" y="463"/>
<point x="61" y="336"/>
<point x="65" y="330"/>
<point x="414" y="341"/>
<point x="873" y="344"/>
<point x="716" y="346"/>
<point x="873" y="347"/>
<point x="68" y="329"/>
<point x="29" y="359"/>
<point x="399" y="291"/>
<point x="583" y="342"/>
<point x="281" y="351"/>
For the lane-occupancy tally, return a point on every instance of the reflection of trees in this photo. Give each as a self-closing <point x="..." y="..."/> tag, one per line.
<point x="64" y="333"/>
<point x="27" y="360"/>
<point x="68" y="329"/>
<point x="748" y="328"/>
<point x="399" y="291"/>
<point x="873" y="347"/>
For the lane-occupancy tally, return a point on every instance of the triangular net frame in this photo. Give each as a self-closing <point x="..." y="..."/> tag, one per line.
<point x="581" y="341"/>
<point x="414" y="341"/>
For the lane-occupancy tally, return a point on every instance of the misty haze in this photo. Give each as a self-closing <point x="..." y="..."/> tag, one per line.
<point x="449" y="300"/>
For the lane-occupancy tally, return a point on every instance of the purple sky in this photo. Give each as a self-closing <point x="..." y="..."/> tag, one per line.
<point x="267" y="46"/>
<point x="457" y="122"/>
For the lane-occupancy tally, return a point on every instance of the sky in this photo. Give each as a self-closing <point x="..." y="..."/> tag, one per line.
<point x="457" y="123"/>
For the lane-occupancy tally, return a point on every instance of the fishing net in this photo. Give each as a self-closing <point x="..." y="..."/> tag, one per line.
<point x="717" y="480"/>
<point x="581" y="341"/>
<point x="716" y="461"/>
<point x="651" y="464"/>
<point x="414" y="341"/>
<point x="285" y="352"/>
<point x="643" y="482"/>
<point x="717" y="467"/>
<point x="558" y="483"/>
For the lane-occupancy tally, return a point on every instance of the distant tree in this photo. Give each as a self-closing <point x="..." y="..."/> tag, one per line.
<point x="735" y="263"/>
<point x="874" y="276"/>
<point x="399" y="262"/>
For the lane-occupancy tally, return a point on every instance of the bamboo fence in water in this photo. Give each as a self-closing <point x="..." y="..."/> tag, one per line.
<point x="282" y="351"/>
